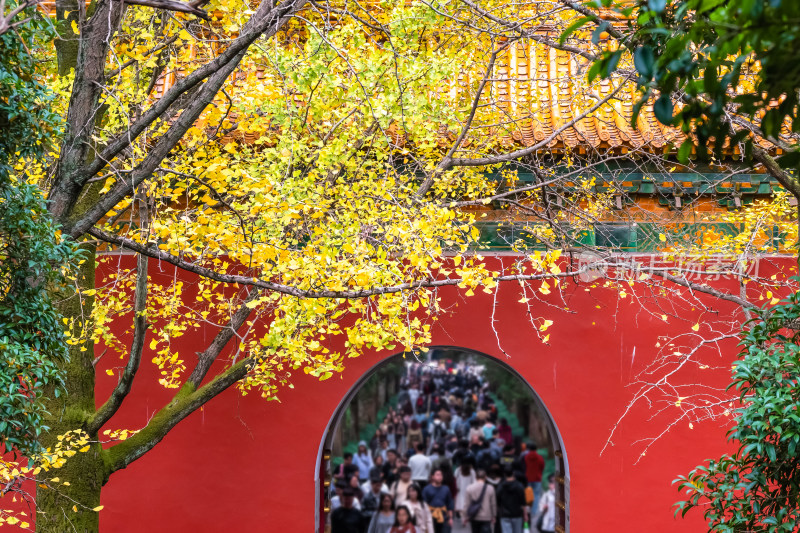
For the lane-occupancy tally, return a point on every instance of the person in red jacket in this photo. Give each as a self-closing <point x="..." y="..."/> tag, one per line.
<point x="504" y="431"/>
<point x="534" y="466"/>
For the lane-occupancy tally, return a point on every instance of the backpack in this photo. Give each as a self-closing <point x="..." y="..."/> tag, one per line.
<point x="528" y="495"/>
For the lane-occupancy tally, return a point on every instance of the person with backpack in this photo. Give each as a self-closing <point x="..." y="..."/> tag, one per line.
<point x="534" y="466"/>
<point x="481" y="504"/>
<point x="511" y="506"/>
<point x="371" y="500"/>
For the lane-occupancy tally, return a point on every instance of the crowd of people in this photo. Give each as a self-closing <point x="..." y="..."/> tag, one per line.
<point x="441" y="456"/>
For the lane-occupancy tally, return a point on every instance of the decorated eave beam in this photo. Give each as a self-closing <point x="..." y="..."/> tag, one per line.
<point x="617" y="237"/>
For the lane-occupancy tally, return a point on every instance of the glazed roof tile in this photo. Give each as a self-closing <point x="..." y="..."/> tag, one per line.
<point x="538" y="90"/>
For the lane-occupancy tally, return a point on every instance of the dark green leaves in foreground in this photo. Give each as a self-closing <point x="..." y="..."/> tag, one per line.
<point x="758" y="487"/>
<point x="715" y="58"/>
<point x="33" y="257"/>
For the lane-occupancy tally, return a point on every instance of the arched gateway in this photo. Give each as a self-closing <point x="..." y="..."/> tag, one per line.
<point x="323" y="472"/>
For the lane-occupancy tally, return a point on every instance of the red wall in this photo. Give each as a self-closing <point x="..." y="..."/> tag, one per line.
<point x="242" y="464"/>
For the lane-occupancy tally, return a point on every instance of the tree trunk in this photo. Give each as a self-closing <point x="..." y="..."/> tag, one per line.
<point x="85" y="471"/>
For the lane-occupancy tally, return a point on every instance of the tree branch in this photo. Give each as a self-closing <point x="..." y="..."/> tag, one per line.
<point x="789" y="182"/>
<point x="186" y="401"/>
<point x="93" y="46"/>
<point x="5" y="21"/>
<point x="705" y="289"/>
<point x="445" y="163"/>
<point x="207" y="357"/>
<point x="294" y="291"/>
<point x="527" y="34"/>
<point x="192" y="8"/>
<point x="140" y="326"/>
<point x="73" y="176"/>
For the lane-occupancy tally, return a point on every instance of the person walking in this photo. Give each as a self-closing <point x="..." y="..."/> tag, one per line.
<point x="504" y="431"/>
<point x="363" y="460"/>
<point x="419" y="509"/>
<point x="420" y="466"/>
<point x="399" y="490"/>
<point x="403" y="521"/>
<point x="401" y="443"/>
<point x="547" y="508"/>
<point x="440" y="502"/>
<point x="465" y="476"/>
<point x="511" y="507"/>
<point x="346" y="518"/>
<point x="371" y="501"/>
<point x="383" y="520"/>
<point x="414" y="435"/>
<point x="534" y="466"/>
<point x="482" y="493"/>
<point x="344" y="466"/>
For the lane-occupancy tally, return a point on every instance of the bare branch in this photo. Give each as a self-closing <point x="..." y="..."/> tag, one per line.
<point x="207" y="357"/>
<point x="140" y="326"/>
<point x="6" y="23"/>
<point x="171" y="5"/>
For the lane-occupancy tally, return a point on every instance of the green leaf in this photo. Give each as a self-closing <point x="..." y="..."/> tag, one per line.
<point x="685" y="151"/>
<point x="572" y="28"/>
<point x="644" y="61"/>
<point x="662" y="108"/>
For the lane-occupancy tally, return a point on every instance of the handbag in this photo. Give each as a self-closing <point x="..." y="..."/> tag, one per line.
<point x="540" y="520"/>
<point x="475" y="507"/>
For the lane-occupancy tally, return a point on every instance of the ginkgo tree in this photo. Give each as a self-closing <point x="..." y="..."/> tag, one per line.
<point x="320" y="168"/>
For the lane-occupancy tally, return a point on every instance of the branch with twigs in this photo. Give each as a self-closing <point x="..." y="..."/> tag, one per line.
<point x="6" y="23"/>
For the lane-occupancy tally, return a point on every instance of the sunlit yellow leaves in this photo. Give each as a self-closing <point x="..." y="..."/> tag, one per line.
<point x="119" y="434"/>
<point x="13" y="475"/>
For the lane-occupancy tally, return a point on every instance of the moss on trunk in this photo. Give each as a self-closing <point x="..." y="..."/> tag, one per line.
<point x="85" y="472"/>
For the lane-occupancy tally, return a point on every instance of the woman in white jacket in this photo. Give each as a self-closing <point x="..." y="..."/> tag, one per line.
<point x="465" y="476"/>
<point x="419" y="510"/>
<point x="547" y="508"/>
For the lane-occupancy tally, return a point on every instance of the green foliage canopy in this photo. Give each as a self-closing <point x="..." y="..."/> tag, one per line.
<point x="757" y="488"/>
<point x="733" y="67"/>
<point x="33" y="256"/>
